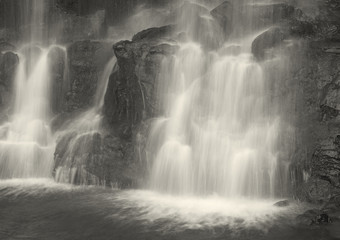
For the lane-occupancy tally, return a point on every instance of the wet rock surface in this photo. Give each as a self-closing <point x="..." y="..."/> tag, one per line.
<point x="130" y="95"/>
<point x="93" y="159"/>
<point x="283" y="203"/>
<point x="8" y="64"/>
<point x="271" y="38"/>
<point x="57" y="61"/>
<point x="86" y="62"/>
<point x="318" y="124"/>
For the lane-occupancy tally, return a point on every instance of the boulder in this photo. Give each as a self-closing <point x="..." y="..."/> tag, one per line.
<point x="313" y="216"/>
<point x="93" y="159"/>
<point x="197" y="23"/>
<point x="308" y="217"/>
<point x="224" y="16"/>
<point x="130" y="94"/>
<point x="273" y="37"/>
<point x="283" y="203"/>
<point x="154" y="33"/>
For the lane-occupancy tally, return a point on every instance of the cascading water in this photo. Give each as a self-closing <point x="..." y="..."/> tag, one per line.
<point x="86" y="127"/>
<point x="218" y="133"/>
<point x="27" y="144"/>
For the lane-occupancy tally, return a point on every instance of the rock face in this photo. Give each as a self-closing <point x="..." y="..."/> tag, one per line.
<point x="273" y="37"/>
<point x="130" y="95"/>
<point x="8" y="64"/>
<point x="93" y="159"/>
<point x="223" y="14"/>
<point x="85" y="66"/>
<point x="318" y="124"/>
<point x="317" y="159"/>
<point x="253" y="15"/>
<point x="130" y="99"/>
<point x="313" y="216"/>
<point x="57" y="62"/>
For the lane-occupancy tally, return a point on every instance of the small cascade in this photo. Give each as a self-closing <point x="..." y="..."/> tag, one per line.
<point x="26" y="143"/>
<point x="83" y="136"/>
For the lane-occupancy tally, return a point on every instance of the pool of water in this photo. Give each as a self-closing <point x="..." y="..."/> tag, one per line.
<point x="43" y="209"/>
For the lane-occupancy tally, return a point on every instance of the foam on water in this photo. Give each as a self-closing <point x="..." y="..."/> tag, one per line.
<point x="17" y="187"/>
<point x="197" y="212"/>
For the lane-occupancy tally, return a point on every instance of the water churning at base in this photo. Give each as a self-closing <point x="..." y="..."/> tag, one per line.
<point x="218" y="133"/>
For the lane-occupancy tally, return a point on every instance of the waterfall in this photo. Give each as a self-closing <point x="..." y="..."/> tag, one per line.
<point x="26" y="144"/>
<point x="218" y="133"/>
<point x="26" y="141"/>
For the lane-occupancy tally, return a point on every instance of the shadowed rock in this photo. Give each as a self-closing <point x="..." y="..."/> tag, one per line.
<point x="273" y="37"/>
<point x="283" y="203"/>
<point x="154" y="33"/>
<point x="8" y="64"/>
<point x="224" y="14"/>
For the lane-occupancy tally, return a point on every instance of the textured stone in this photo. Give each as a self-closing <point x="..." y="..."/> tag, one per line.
<point x="86" y="63"/>
<point x="271" y="38"/>
<point x="130" y="96"/>
<point x="8" y="64"/>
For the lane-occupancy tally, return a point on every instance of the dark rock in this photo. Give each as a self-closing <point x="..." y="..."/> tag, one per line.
<point x="130" y="100"/>
<point x="86" y="62"/>
<point x="300" y="28"/>
<point x="8" y="65"/>
<point x="154" y="33"/>
<point x="310" y="217"/>
<point x="323" y="218"/>
<point x="255" y="16"/>
<point x="328" y="112"/>
<point x="271" y="38"/>
<point x="274" y="12"/>
<point x="94" y="159"/>
<point x="73" y="27"/>
<point x="57" y="63"/>
<point x="333" y="50"/>
<point x="223" y="14"/>
<point x="130" y="95"/>
<point x="196" y="22"/>
<point x="283" y="203"/>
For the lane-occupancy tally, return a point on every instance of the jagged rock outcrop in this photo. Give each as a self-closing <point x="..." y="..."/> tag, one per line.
<point x="130" y="95"/>
<point x="131" y="100"/>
